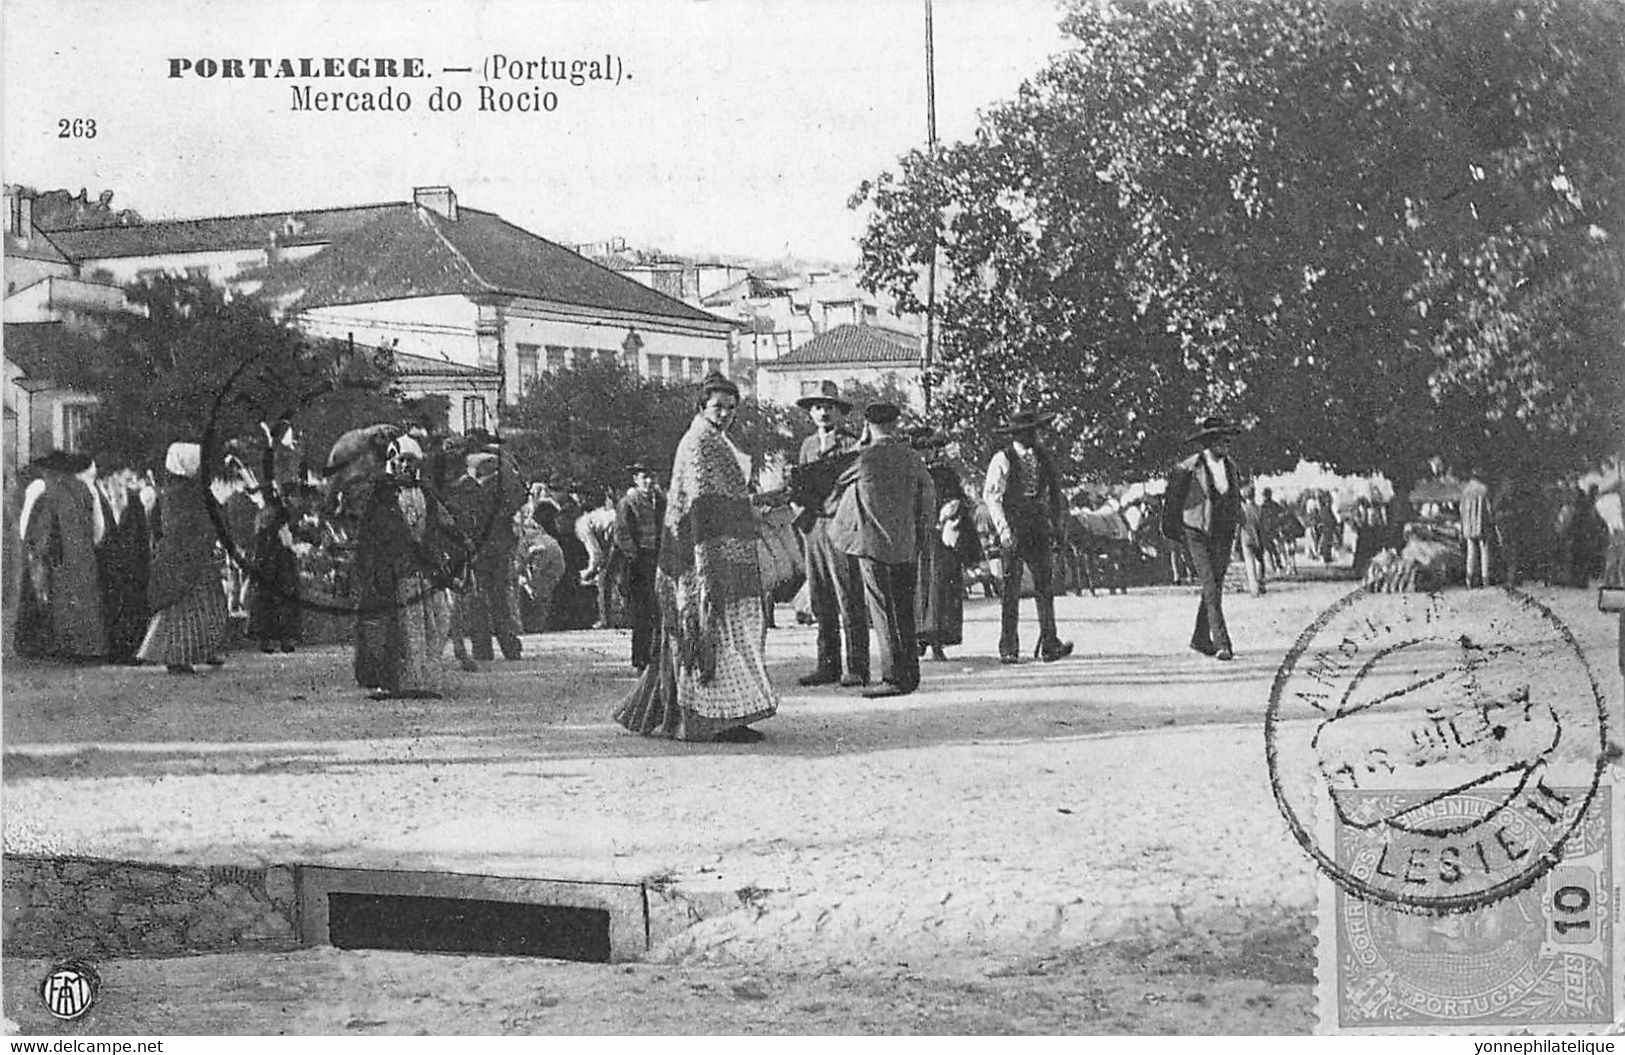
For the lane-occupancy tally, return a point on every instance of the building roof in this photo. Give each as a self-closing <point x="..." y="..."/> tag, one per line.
<point x="408" y="364"/>
<point x="850" y="343"/>
<point x="415" y="252"/>
<point x="41" y="349"/>
<point x="219" y="233"/>
<point x="37" y="246"/>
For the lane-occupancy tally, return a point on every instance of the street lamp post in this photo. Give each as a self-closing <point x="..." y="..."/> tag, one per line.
<point x="931" y="265"/>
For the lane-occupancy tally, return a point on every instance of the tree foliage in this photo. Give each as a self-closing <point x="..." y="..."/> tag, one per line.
<point x="588" y="422"/>
<point x="1375" y="230"/>
<point x="58" y="210"/>
<point x="199" y="364"/>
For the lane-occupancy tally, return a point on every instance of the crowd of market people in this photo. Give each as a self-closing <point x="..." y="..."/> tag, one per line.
<point x="433" y="539"/>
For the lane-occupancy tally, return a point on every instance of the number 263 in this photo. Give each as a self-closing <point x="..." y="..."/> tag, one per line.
<point x="76" y="128"/>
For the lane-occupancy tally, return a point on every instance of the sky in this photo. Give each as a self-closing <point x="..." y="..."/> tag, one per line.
<point x="737" y="126"/>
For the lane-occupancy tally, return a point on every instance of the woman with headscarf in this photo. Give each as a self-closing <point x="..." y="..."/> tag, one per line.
<point x="708" y="680"/>
<point x="185" y="585"/>
<point x="125" y="556"/>
<point x="939" y="592"/>
<point x="62" y="529"/>
<point x="405" y="546"/>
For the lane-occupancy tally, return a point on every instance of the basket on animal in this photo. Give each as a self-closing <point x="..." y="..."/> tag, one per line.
<point x="1423" y="566"/>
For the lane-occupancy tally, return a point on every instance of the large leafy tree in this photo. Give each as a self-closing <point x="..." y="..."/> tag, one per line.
<point x="198" y="364"/>
<point x="1376" y="230"/>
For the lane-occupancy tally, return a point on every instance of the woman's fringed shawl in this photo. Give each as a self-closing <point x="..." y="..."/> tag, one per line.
<point x="708" y="553"/>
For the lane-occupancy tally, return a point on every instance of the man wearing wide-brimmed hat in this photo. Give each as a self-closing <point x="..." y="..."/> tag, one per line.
<point x="638" y="519"/>
<point x="1200" y="511"/>
<point x="1024" y="500"/>
<point x="834" y="585"/>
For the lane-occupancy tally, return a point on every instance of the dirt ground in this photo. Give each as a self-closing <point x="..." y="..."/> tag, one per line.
<point x="1263" y="987"/>
<point x="1082" y="847"/>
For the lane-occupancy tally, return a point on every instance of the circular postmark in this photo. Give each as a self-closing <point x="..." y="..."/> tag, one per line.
<point x="69" y="989"/>
<point x="1415" y="742"/>
<point x="333" y="400"/>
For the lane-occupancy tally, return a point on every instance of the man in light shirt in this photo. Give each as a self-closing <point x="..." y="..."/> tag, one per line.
<point x="1200" y="511"/>
<point x="1024" y="501"/>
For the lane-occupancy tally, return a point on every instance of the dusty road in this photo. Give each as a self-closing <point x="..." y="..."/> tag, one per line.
<point x="1088" y="846"/>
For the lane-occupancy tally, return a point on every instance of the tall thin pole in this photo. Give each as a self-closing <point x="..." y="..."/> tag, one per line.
<point x="931" y="266"/>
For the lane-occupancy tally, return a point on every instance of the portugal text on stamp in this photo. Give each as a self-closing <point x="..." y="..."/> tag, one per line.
<point x="1546" y="958"/>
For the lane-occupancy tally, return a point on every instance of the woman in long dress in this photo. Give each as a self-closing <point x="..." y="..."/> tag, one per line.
<point x="404" y="549"/>
<point x="939" y="592"/>
<point x="709" y="677"/>
<point x="125" y="559"/>
<point x="185" y="586"/>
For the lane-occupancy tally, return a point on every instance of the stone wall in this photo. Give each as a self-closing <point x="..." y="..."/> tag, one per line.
<point x="68" y="906"/>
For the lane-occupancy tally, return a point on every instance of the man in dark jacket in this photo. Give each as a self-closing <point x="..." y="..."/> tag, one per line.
<point x="888" y="506"/>
<point x="834" y="584"/>
<point x="1023" y="496"/>
<point x="478" y="502"/>
<point x="1200" y="511"/>
<point x="639" y="517"/>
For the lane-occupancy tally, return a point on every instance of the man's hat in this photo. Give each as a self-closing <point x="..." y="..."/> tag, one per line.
<point x="51" y="462"/>
<point x="1211" y="426"/>
<point x="76" y="463"/>
<point x="639" y="467"/>
<point x="828" y="392"/>
<point x="1024" y="421"/>
<point x="882" y="413"/>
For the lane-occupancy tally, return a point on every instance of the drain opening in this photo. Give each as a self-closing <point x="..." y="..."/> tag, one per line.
<point x="448" y="924"/>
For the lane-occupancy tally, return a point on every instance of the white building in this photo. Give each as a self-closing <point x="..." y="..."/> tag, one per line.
<point x="475" y="307"/>
<point x="849" y="354"/>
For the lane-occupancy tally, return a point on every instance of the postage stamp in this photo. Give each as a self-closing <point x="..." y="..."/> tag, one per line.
<point x="1446" y="761"/>
<point x="1547" y="958"/>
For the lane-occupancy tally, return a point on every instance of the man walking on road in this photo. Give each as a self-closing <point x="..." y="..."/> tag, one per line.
<point x="834" y="585"/>
<point x="888" y="507"/>
<point x="638" y="520"/>
<point x="1023" y="496"/>
<point x="1200" y="511"/>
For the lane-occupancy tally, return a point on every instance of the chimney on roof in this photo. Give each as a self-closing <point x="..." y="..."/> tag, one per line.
<point x="19" y="212"/>
<point x="442" y="200"/>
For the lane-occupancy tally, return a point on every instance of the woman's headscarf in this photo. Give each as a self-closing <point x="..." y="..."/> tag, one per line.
<point x="184" y="459"/>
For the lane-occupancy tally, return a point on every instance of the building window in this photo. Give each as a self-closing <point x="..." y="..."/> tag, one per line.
<point x="530" y="366"/>
<point x="558" y="357"/>
<point x="696" y="367"/>
<point x="629" y="359"/>
<point x="76" y="426"/>
<point x="713" y="366"/>
<point x="473" y="413"/>
<point x="674" y="368"/>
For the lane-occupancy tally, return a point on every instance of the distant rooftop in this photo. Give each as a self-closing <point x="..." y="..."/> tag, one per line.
<point x="850" y="343"/>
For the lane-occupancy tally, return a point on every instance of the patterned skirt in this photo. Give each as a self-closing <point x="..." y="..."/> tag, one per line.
<point x="189" y="631"/>
<point x="675" y="703"/>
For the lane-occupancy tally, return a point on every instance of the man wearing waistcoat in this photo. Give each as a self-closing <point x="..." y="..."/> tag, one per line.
<point x="834" y="585"/>
<point x="887" y="508"/>
<point x="1200" y="511"/>
<point x="639" y="517"/>
<point x="1023" y="496"/>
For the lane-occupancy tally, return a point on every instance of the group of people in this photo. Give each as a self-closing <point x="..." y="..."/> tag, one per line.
<point x="117" y="570"/>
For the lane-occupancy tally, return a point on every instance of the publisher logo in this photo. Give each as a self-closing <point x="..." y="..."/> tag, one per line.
<point x="70" y="989"/>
